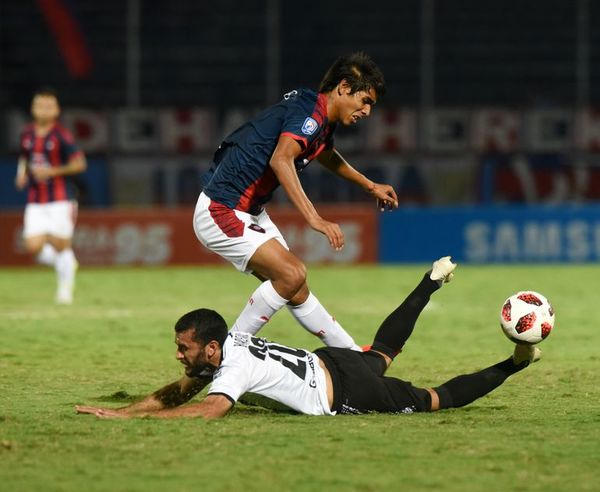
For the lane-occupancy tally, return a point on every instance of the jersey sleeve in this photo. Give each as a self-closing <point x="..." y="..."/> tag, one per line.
<point x="69" y="149"/>
<point x="232" y="379"/>
<point x="300" y="125"/>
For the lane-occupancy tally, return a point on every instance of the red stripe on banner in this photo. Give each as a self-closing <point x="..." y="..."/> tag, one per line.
<point x="68" y="36"/>
<point x="226" y="219"/>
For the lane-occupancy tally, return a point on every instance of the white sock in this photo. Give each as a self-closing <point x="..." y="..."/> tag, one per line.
<point x="264" y="303"/>
<point x="315" y="319"/>
<point x="66" y="264"/>
<point x="47" y="255"/>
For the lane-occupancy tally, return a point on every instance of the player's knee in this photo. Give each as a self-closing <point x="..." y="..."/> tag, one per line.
<point x="33" y="247"/>
<point x="33" y="250"/>
<point x="60" y="244"/>
<point x="435" y="399"/>
<point x="295" y="276"/>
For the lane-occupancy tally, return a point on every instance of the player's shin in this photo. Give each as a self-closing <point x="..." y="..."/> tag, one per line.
<point x="263" y="303"/>
<point x="314" y="318"/>
<point x="462" y="390"/>
<point x="398" y="326"/>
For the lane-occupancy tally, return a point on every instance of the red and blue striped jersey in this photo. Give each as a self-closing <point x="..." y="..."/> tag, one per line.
<point x="54" y="149"/>
<point x="240" y="176"/>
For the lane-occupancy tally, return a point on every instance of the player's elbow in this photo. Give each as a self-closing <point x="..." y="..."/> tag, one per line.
<point x="81" y="164"/>
<point x="277" y="164"/>
<point x="77" y="164"/>
<point x="214" y="407"/>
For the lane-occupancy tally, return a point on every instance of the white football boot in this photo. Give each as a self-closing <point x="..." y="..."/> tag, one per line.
<point x="441" y="270"/>
<point x="528" y="353"/>
<point x="64" y="294"/>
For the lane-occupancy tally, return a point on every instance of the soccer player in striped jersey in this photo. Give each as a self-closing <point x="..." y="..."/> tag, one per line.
<point x="48" y="157"/>
<point x="271" y="150"/>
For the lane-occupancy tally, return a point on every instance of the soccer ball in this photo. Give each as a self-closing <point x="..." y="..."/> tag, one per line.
<point x="526" y="317"/>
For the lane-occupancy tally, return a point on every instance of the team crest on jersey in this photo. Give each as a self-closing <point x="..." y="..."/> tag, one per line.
<point x="309" y="126"/>
<point x="257" y="228"/>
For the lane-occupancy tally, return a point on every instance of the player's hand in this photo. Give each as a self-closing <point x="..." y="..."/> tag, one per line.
<point x="42" y="173"/>
<point x="86" y="409"/>
<point x="332" y="230"/>
<point x="385" y="196"/>
<point x="20" y="181"/>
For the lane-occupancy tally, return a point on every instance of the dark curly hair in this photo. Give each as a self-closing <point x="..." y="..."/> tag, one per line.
<point x="359" y="70"/>
<point x="207" y="324"/>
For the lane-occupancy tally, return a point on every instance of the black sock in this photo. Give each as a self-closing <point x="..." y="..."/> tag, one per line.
<point x="464" y="389"/>
<point x="398" y="326"/>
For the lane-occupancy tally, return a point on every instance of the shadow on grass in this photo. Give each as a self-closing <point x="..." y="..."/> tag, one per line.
<point x="119" y="396"/>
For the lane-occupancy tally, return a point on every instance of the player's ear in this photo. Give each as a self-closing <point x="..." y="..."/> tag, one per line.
<point x="344" y="88"/>
<point x="211" y="348"/>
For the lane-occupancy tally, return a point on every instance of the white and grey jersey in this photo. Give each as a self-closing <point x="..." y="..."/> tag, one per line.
<point x="288" y="375"/>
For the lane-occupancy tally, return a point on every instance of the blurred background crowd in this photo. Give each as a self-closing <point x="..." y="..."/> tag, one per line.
<point x="488" y="103"/>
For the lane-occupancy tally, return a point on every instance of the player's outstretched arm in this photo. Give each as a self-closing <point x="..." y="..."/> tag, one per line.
<point x="383" y="193"/>
<point x="212" y="407"/>
<point x="170" y="396"/>
<point x="282" y="164"/>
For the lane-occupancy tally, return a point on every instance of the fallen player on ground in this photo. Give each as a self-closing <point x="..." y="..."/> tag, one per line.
<point x="328" y="381"/>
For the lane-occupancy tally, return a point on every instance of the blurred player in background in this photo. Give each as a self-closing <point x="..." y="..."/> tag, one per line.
<point x="48" y="156"/>
<point x="269" y="150"/>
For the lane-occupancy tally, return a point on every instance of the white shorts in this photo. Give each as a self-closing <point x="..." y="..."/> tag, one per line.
<point x="53" y="218"/>
<point x="233" y="234"/>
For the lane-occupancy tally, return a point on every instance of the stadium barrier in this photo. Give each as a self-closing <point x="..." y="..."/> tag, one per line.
<point x="492" y="234"/>
<point x="165" y="236"/>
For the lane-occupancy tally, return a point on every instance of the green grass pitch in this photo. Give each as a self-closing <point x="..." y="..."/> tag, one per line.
<point x="539" y="431"/>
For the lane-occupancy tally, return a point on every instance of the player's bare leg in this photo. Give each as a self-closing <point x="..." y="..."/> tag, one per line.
<point x="285" y="283"/>
<point x="34" y="245"/>
<point x="284" y="269"/>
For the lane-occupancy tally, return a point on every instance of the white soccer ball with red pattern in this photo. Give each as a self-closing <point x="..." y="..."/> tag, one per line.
<point x="527" y="317"/>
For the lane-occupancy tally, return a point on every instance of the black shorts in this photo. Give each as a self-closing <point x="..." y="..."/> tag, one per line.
<point x="359" y="385"/>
